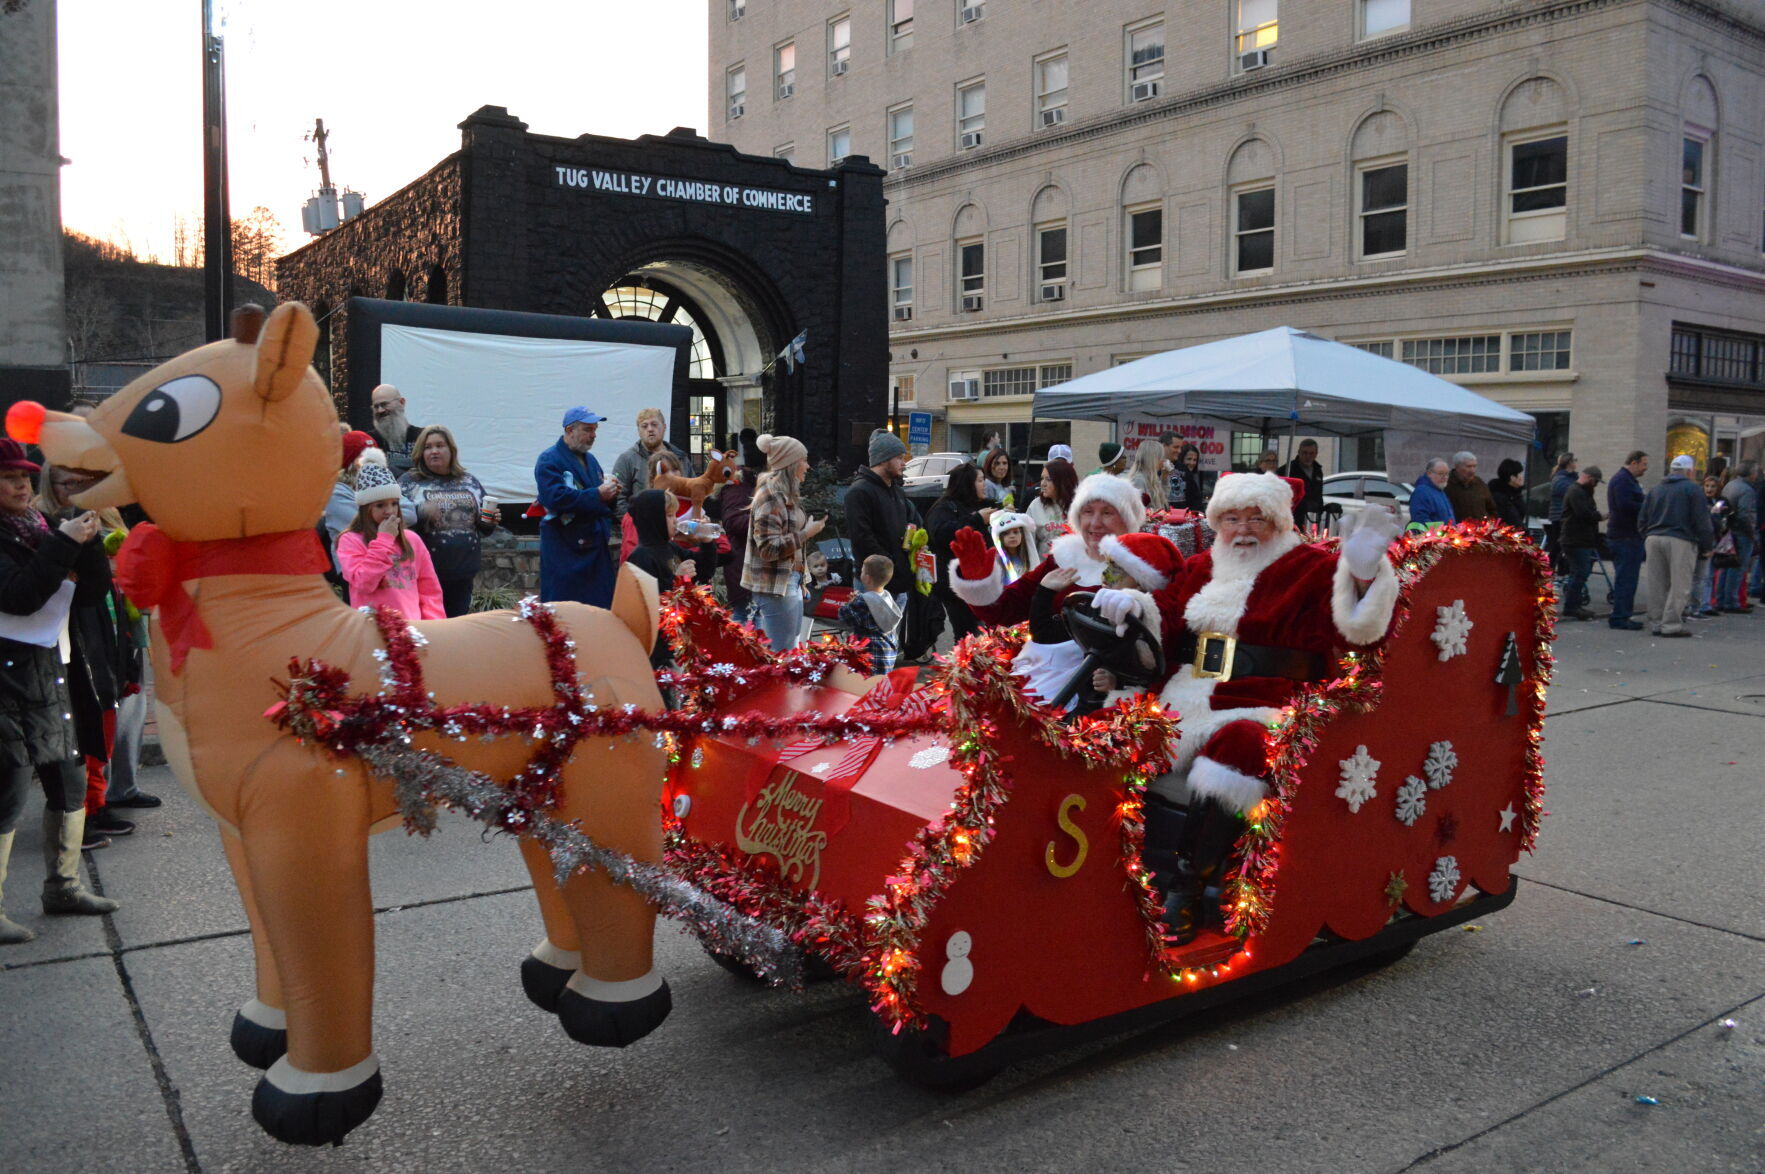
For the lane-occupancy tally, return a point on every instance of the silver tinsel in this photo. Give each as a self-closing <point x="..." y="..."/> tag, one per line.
<point x="421" y="780"/>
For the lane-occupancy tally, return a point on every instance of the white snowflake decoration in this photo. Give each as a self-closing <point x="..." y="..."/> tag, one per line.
<point x="1359" y="781"/>
<point x="1412" y="801"/>
<point x="821" y="768"/>
<point x="929" y="757"/>
<point x="1441" y="762"/>
<point x="1443" y="882"/>
<point x="1452" y="629"/>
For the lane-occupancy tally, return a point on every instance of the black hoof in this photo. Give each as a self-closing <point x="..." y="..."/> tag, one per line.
<point x="613" y="1025"/>
<point x="314" y="1118"/>
<point x="256" y="1044"/>
<point x="543" y="983"/>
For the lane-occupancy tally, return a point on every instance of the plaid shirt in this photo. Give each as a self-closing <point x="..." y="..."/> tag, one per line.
<point x="775" y="542"/>
<point x="857" y="615"/>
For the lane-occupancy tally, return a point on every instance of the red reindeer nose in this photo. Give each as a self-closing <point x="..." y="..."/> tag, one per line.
<point x="24" y="421"/>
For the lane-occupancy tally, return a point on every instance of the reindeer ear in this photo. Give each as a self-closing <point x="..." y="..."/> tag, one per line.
<point x="285" y="351"/>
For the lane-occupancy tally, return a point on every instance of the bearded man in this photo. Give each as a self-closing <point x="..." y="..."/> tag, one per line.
<point x="396" y="433"/>
<point x="631" y="467"/>
<point x="1265" y="612"/>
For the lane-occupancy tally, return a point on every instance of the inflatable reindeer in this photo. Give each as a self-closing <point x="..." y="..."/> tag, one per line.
<point x="232" y="449"/>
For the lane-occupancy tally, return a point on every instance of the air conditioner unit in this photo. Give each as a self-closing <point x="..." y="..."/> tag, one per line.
<point x="971" y="303"/>
<point x="737" y="11"/>
<point x="840" y="67"/>
<point x="973" y="13"/>
<point x="963" y="389"/>
<point x="1255" y="59"/>
<point x="786" y="89"/>
<point x="971" y="139"/>
<point x="903" y="313"/>
<point x="737" y="109"/>
<point x="904" y="159"/>
<point x="1054" y="291"/>
<point x="1146" y="91"/>
<point x="1054" y="117"/>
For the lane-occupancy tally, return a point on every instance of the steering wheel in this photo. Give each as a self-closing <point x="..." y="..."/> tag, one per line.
<point x="1135" y="657"/>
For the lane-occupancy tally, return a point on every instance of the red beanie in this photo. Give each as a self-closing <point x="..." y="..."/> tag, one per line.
<point x="353" y="444"/>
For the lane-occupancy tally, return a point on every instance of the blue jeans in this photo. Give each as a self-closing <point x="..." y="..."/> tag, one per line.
<point x="779" y="617"/>
<point x="1580" y="565"/>
<point x="1728" y="581"/>
<point x="1627" y="558"/>
<point x="1757" y="587"/>
<point x="1699" y="603"/>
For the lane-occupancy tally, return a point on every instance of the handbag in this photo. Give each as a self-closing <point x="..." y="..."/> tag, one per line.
<point x="1725" y="557"/>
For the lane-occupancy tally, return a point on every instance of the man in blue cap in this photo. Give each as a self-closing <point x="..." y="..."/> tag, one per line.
<point x="574" y="562"/>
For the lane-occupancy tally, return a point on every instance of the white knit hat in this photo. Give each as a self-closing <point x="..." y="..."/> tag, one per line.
<point x="781" y="451"/>
<point x="1117" y="491"/>
<point x="1273" y="495"/>
<point x="374" y="482"/>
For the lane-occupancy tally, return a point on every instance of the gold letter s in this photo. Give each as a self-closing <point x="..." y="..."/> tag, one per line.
<point x="1062" y="871"/>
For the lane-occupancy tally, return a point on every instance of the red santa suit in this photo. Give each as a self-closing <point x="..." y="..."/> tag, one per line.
<point x="1295" y="606"/>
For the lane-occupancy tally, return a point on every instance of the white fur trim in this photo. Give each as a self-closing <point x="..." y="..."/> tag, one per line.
<point x="289" y="1079"/>
<point x="629" y="991"/>
<point x="372" y="456"/>
<point x="1117" y="491"/>
<point x="555" y="958"/>
<point x="1227" y="787"/>
<point x="261" y="1013"/>
<point x="1143" y="572"/>
<point x="1240" y="491"/>
<point x="1147" y="607"/>
<point x="978" y="592"/>
<point x="1069" y="551"/>
<point x="1191" y="699"/>
<point x="1222" y="601"/>
<point x="1363" y="619"/>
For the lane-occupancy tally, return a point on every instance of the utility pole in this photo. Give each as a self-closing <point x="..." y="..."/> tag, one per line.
<point x="324" y="162"/>
<point x="217" y="275"/>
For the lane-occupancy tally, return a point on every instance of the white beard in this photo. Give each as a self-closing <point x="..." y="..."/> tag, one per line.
<point x="1221" y="602"/>
<point x="391" y="429"/>
<point x="1247" y="562"/>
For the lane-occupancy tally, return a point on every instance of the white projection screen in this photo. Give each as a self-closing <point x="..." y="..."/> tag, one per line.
<point x="504" y="394"/>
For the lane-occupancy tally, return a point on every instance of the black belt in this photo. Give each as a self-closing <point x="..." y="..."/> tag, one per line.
<point x="1217" y="655"/>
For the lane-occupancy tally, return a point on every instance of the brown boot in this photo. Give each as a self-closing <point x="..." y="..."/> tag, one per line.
<point x="62" y="890"/>
<point x="11" y="932"/>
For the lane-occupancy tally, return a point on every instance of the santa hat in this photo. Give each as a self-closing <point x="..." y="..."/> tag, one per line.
<point x="354" y="443"/>
<point x="374" y="481"/>
<point x="1150" y="559"/>
<point x="1274" y="496"/>
<point x="1117" y="491"/>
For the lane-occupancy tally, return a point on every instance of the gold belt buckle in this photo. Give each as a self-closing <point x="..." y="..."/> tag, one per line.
<point x="1218" y="649"/>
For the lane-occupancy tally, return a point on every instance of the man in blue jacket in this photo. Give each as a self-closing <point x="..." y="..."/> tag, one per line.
<point x="574" y="561"/>
<point x="1428" y="501"/>
<point x="1623" y="501"/>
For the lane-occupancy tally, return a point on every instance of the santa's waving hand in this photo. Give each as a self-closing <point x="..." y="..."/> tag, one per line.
<point x="1264" y="612"/>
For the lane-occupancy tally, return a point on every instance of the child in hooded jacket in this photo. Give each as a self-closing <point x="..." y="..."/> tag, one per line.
<point x="384" y="564"/>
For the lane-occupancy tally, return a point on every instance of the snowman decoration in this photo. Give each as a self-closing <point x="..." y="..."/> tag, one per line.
<point x="958" y="971"/>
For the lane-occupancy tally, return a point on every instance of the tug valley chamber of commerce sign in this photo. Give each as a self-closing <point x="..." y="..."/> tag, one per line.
<point x="663" y="187"/>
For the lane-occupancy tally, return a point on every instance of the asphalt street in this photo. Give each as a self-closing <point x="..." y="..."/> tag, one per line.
<point x="1613" y="1019"/>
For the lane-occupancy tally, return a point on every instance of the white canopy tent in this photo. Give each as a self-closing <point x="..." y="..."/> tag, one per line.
<point x="1290" y="379"/>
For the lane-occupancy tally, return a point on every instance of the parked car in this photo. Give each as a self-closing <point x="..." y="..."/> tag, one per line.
<point x="1352" y="490"/>
<point x="933" y="468"/>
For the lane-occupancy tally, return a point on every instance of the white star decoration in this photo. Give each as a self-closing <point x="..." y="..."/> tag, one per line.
<point x="821" y="768"/>
<point x="1452" y="629"/>
<point x="1507" y="815"/>
<point x="1443" y="882"/>
<point x="1359" y="781"/>
<point x="929" y="757"/>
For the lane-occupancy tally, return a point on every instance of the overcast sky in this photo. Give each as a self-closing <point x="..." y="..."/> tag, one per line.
<point x="391" y="78"/>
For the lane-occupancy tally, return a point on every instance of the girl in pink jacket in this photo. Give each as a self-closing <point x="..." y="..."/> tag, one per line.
<point x="384" y="564"/>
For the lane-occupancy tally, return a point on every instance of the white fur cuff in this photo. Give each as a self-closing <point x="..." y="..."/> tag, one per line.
<point x="978" y="592"/>
<point x="1227" y="787"/>
<point x="1363" y="618"/>
<point x="1147" y="608"/>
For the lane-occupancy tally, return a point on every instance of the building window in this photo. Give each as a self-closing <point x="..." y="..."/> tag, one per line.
<point x="1023" y="380"/>
<point x="839" y="144"/>
<point x="1546" y="350"/>
<point x="901" y="136"/>
<point x="736" y="85"/>
<point x="1729" y="358"/>
<point x="1472" y="355"/>
<point x="1051" y="262"/>
<point x="1382" y="349"/>
<point x="1051" y="90"/>
<point x="1253" y="231"/>
<point x="1538" y="189"/>
<point x="971" y="271"/>
<point x="971" y="113"/>
<point x="900" y="25"/>
<point x="1685" y="353"/>
<point x="1691" y="188"/>
<point x="839" y="45"/>
<point x="1384" y="209"/>
<point x="906" y="391"/>
<point x="784" y="69"/>
<point x="1146" y="61"/>
<point x="1247" y="449"/>
<point x="1257" y="25"/>
<point x="1379" y="17"/>
<point x="969" y="11"/>
<point x="1145" y="248"/>
<point x="787" y="152"/>
<point x="901" y="287"/>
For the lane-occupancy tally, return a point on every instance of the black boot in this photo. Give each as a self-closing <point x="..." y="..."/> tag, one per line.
<point x="1164" y="832"/>
<point x="1208" y="836"/>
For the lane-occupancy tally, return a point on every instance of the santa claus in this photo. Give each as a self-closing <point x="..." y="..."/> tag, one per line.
<point x="1264" y="612"/>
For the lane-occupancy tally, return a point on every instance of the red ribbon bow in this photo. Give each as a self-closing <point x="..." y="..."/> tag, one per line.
<point x="893" y="694"/>
<point x="152" y="569"/>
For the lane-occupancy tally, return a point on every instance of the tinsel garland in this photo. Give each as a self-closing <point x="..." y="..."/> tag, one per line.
<point x="1250" y="886"/>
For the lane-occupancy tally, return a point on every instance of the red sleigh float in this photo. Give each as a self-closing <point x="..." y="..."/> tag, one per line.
<point x="982" y="880"/>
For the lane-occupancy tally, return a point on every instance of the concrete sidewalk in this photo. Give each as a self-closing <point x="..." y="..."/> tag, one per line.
<point x="1639" y="930"/>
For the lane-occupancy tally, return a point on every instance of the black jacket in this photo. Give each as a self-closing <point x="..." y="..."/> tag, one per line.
<point x="1581" y="519"/>
<point x="877" y="514"/>
<point x="942" y="523"/>
<point x="36" y="689"/>
<point x="1510" y="504"/>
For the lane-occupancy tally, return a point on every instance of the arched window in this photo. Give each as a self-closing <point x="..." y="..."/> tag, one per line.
<point x="1250" y="182"/>
<point x="436" y="294"/>
<point x="395" y="286"/>
<point x="1381" y="186"/>
<point x="1697" y="176"/>
<point x="1052" y="244"/>
<point x="1142" y="198"/>
<point x="1535" y="162"/>
<point x="654" y="305"/>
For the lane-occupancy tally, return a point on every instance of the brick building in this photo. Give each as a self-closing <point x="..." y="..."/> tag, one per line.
<point x="1557" y="203"/>
<point x="749" y="252"/>
<point x="33" y="322"/>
